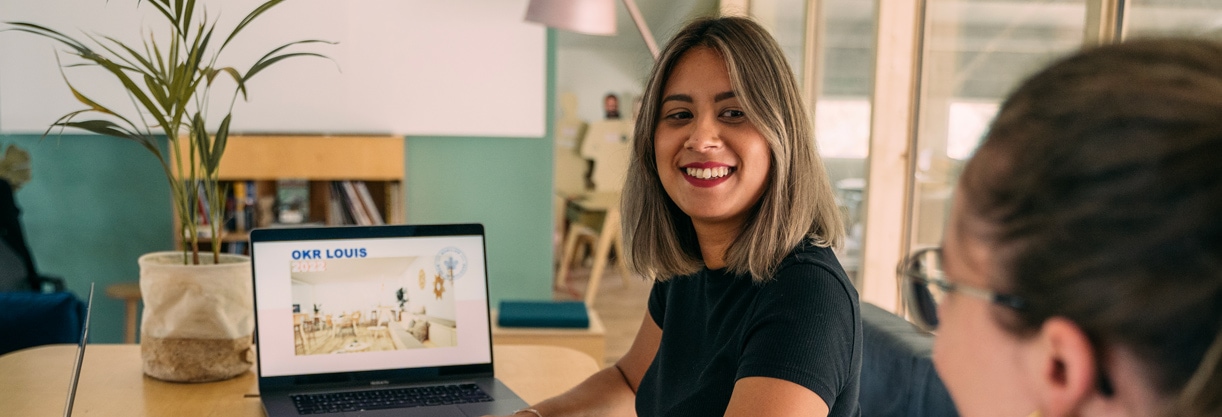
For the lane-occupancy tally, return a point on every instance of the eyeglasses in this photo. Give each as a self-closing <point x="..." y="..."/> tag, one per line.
<point x="925" y="286"/>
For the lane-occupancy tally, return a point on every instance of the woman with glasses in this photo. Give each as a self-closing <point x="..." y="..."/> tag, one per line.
<point x="728" y="209"/>
<point x="1081" y="270"/>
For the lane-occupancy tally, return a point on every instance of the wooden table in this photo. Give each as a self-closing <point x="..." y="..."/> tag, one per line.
<point x="34" y="382"/>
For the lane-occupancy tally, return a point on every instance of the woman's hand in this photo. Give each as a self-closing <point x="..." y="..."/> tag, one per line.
<point x="611" y="391"/>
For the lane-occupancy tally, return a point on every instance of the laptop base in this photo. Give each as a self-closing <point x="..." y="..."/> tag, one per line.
<point x="280" y="404"/>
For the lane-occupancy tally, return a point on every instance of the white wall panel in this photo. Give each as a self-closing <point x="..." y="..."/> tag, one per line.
<point x="413" y="67"/>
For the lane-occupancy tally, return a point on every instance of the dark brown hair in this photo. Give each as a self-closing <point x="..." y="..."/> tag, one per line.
<point x="1101" y="183"/>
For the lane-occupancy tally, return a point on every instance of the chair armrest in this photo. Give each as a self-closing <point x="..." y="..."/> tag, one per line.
<point x="30" y="319"/>
<point x="48" y="283"/>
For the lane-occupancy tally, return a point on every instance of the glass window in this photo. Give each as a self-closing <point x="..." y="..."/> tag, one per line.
<point x="974" y="53"/>
<point x="843" y="61"/>
<point x="845" y="48"/>
<point x="1175" y="17"/>
<point x="786" y="21"/>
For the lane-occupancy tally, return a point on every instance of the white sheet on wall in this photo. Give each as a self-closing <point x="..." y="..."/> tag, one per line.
<point x="412" y="67"/>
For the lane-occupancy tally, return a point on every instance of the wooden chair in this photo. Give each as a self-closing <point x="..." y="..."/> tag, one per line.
<point x="299" y="332"/>
<point x="349" y="323"/>
<point x="381" y="324"/>
<point x="356" y="319"/>
<point x="608" y="144"/>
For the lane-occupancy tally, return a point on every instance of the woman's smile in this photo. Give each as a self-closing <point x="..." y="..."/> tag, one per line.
<point x="707" y="174"/>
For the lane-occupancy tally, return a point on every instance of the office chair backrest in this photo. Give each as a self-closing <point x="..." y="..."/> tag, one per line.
<point x="13" y="273"/>
<point x="16" y="264"/>
<point x="897" y="374"/>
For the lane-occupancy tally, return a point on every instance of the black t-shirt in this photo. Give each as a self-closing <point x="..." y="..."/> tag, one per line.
<point x="802" y="326"/>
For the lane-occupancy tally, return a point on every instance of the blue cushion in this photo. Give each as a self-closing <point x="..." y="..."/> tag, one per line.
<point x="543" y="314"/>
<point x="29" y="319"/>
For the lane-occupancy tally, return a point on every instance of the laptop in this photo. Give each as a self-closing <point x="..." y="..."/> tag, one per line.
<point x="375" y="320"/>
<point x="80" y="356"/>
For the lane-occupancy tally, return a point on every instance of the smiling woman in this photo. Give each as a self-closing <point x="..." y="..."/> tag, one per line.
<point x="728" y="209"/>
<point x="729" y="102"/>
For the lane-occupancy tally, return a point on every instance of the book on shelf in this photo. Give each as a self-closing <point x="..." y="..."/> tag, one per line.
<point x="201" y="207"/>
<point x="339" y="205"/>
<point x="292" y="201"/>
<point x="248" y="211"/>
<point x="335" y="207"/>
<point x="367" y="201"/>
<point x="342" y="202"/>
<point x="355" y="206"/>
<point x="394" y="204"/>
<point x="237" y="192"/>
<point x="229" y="216"/>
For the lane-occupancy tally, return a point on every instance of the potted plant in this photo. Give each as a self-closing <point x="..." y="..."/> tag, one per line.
<point x="198" y="315"/>
<point x="401" y="296"/>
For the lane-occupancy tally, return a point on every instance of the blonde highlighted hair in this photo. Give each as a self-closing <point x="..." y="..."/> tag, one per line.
<point x="798" y="203"/>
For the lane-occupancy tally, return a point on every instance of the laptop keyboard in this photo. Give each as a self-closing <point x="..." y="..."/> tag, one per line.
<point x="389" y="398"/>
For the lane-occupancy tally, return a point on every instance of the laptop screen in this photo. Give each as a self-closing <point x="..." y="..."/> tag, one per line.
<point x="351" y="299"/>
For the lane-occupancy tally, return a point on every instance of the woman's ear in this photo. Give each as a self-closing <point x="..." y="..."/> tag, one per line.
<point x="1061" y="364"/>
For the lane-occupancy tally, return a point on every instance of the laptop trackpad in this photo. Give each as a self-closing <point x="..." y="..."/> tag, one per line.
<point x="451" y="411"/>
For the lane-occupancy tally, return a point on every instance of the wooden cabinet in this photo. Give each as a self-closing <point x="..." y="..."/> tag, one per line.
<point x="316" y="167"/>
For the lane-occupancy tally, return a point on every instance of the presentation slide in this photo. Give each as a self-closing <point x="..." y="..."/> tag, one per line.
<point x="370" y="304"/>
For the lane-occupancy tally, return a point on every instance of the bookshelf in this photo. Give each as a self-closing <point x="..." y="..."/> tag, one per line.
<point x="269" y="169"/>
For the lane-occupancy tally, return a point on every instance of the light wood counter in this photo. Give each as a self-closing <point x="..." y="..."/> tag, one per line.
<point x="34" y="382"/>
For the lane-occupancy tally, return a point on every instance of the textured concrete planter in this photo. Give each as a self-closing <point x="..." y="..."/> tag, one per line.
<point x="198" y="319"/>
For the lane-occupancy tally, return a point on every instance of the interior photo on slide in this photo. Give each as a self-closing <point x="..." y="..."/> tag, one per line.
<point x="371" y="304"/>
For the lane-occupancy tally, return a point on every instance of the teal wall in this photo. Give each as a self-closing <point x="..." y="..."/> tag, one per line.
<point x="504" y="183"/>
<point x="95" y="204"/>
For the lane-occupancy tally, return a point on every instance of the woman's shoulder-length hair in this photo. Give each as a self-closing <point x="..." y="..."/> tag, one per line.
<point x="798" y="203"/>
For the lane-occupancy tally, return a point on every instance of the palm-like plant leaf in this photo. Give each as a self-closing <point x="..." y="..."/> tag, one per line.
<point x="218" y="144"/>
<point x="50" y="34"/>
<point x="254" y="14"/>
<point x="271" y="58"/>
<point x="169" y="85"/>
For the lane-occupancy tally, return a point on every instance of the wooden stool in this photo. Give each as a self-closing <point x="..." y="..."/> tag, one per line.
<point x="607" y="237"/>
<point x="129" y="292"/>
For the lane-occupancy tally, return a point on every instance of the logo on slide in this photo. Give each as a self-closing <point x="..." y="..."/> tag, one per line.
<point x="451" y="263"/>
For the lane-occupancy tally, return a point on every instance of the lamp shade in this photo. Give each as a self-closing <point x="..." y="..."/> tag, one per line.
<point x="592" y="17"/>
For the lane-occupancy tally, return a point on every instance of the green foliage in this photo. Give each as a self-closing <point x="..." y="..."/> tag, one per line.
<point x="169" y="86"/>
